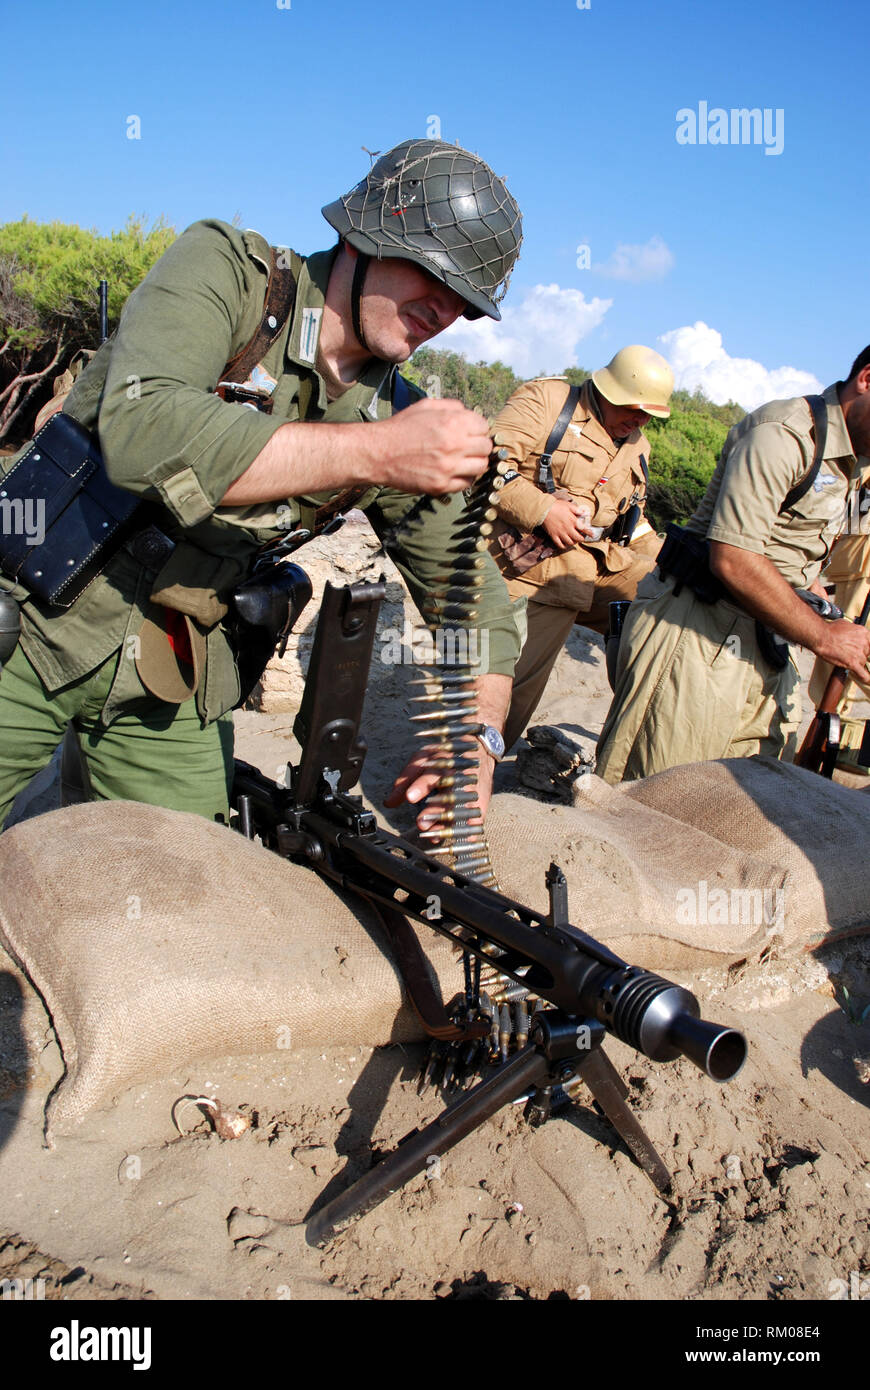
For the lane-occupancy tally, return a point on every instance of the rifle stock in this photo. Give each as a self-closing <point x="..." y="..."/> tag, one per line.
<point x="821" y="744"/>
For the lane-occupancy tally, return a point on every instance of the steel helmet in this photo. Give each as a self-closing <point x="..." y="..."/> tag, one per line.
<point x="442" y="207"/>
<point x="638" y="377"/>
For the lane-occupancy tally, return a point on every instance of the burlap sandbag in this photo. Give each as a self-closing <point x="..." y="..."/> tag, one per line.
<point x="709" y="863"/>
<point x="641" y="882"/>
<point x="816" y="831"/>
<point x="157" y="938"/>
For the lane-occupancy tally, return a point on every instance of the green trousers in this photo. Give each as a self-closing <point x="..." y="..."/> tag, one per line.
<point x="158" y="753"/>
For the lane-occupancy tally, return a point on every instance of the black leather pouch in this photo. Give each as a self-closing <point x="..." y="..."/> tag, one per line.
<point x="263" y="611"/>
<point x="61" y="519"/>
<point x="686" y="556"/>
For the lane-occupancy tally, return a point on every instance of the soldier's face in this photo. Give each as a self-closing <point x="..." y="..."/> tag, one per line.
<point x="620" y="420"/>
<point x="859" y="415"/>
<point x="403" y="306"/>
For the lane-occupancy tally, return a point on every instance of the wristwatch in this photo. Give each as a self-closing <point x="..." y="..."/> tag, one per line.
<point x="492" y="741"/>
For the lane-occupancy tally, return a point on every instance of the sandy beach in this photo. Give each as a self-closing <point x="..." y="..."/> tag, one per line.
<point x="771" y="1172"/>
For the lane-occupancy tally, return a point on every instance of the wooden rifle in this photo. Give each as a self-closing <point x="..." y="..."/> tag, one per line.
<point x="821" y="747"/>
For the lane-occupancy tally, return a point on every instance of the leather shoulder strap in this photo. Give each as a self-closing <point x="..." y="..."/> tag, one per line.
<point x="277" y="308"/>
<point x="820" y="430"/>
<point x="554" y="439"/>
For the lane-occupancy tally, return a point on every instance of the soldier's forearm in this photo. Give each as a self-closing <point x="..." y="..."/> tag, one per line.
<point x="493" y="699"/>
<point x="759" y="587"/>
<point x="303" y="458"/>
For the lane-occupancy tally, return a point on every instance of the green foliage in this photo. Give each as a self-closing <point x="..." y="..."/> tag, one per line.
<point x="49" y="300"/>
<point x="483" y="386"/>
<point x="55" y="268"/>
<point x="576" y="375"/>
<point x="684" y="450"/>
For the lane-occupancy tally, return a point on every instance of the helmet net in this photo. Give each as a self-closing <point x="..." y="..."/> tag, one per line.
<point x="446" y="204"/>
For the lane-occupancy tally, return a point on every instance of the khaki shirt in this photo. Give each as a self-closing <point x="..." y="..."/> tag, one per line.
<point x="588" y="464"/>
<point x="166" y="436"/>
<point x="850" y="559"/>
<point x="764" y="456"/>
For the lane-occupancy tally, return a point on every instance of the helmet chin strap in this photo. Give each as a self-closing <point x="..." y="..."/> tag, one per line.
<point x="359" y="275"/>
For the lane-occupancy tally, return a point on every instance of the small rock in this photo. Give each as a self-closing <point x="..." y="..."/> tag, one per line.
<point x="553" y="763"/>
<point x="247" y="1225"/>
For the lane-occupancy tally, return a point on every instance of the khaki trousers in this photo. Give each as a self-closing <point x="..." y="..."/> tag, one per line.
<point x="849" y="595"/>
<point x="691" y="685"/>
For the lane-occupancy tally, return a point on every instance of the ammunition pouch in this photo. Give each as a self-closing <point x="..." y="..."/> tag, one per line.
<point x="686" y="557"/>
<point x="772" y="648"/>
<point x="262" y="613"/>
<point x="10" y="627"/>
<point x="622" y="529"/>
<point x="523" y="550"/>
<point x="62" y="517"/>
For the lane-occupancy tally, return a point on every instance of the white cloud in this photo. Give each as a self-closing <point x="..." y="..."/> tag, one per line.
<point x="651" y="261"/>
<point x="538" y="335"/>
<point x="699" y="360"/>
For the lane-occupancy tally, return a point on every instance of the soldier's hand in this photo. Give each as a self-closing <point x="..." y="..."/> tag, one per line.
<point x="847" y="644"/>
<point x="417" y="781"/>
<point x="435" y="446"/>
<point x="566" y="523"/>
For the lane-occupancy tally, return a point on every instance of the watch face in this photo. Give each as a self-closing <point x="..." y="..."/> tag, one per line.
<point x="493" y="741"/>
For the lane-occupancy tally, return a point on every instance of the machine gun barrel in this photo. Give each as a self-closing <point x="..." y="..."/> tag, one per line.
<point x="553" y="960"/>
<point x="559" y="963"/>
<point x="591" y="989"/>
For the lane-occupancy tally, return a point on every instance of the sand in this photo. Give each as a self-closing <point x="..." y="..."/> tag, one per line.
<point x="771" y="1172"/>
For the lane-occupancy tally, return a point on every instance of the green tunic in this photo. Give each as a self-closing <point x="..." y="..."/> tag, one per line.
<point x="166" y="436"/>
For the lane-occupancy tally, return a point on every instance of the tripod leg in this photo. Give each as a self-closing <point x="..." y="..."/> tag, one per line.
<point x="526" y="1069"/>
<point x="610" y="1091"/>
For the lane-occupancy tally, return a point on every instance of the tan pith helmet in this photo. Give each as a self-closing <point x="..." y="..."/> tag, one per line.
<point x="638" y="377"/>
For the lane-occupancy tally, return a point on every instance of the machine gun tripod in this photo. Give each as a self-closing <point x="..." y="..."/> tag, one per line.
<point x="592" y="990"/>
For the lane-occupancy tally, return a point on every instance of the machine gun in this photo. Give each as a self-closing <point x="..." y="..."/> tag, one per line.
<point x="591" y="990"/>
<point x="821" y="746"/>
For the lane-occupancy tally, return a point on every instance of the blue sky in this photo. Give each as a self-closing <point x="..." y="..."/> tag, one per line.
<point x="259" y="110"/>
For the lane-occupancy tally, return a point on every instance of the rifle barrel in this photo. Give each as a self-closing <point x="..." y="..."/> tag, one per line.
<point x="104" y="310"/>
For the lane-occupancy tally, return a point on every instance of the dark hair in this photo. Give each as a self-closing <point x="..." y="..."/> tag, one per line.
<point x="859" y="364"/>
